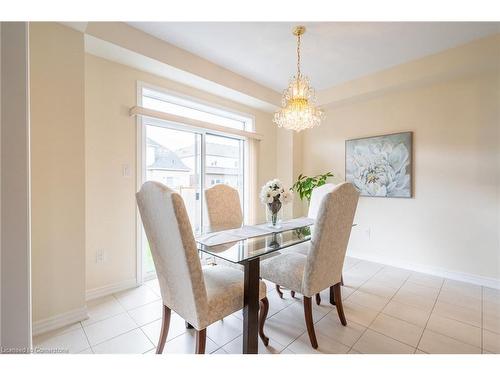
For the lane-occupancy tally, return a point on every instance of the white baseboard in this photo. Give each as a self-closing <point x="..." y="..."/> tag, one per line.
<point x="59" y="321"/>
<point x="77" y="315"/>
<point x="110" y="289"/>
<point x="431" y="270"/>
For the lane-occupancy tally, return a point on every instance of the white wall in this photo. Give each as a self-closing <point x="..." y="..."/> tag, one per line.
<point x="15" y="199"/>
<point x="453" y="118"/>
<point x="82" y="135"/>
<point x="176" y="64"/>
<point x="289" y="166"/>
<point x="110" y="143"/>
<point x="0" y="183"/>
<point x="451" y="225"/>
<point x="58" y="174"/>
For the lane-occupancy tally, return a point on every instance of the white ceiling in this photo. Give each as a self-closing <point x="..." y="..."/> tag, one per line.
<point x="332" y="53"/>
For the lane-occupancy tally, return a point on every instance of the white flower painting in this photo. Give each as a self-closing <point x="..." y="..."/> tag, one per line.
<point x="380" y="166"/>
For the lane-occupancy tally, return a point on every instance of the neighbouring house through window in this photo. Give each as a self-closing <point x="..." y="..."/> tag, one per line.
<point x="190" y="160"/>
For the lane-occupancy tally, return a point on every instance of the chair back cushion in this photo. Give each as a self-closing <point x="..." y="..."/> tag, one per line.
<point x="174" y="251"/>
<point x="329" y="239"/>
<point x="223" y="206"/>
<point x="316" y="198"/>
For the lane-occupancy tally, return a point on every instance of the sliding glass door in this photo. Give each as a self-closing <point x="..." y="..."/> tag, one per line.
<point x="173" y="157"/>
<point x="189" y="161"/>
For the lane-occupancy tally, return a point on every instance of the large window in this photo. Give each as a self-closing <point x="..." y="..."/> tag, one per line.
<point x="186" y="107"/>
<point x="187" y="159"/>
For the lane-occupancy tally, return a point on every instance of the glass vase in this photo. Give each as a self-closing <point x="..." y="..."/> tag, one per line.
<point x="274" y="214"/>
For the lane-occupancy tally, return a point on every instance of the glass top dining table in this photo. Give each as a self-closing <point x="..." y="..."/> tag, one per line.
<point x="248" y="252"/>
<point x="246" y="249"/>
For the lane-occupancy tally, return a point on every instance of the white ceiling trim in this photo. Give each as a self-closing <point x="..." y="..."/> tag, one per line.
<point x="471" y="58"/>
<point x="332" y="52"/>
<point x="200" y="70"/>
<point x="112" y="52"/>
<point x="78" y="26"/>
<point x="126" y="45"/>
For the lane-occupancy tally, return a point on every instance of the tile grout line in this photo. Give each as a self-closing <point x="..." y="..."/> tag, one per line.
<point x="440" y="333"/>
<point x="86" y="337"/>
<point x="183" y="333"/>
<point x="151" y="341"/>
<point x="108" y="317"/>
<point x="141" y="326"/>
<point x="137" y="325"/>
<point x="366" y="328"/>
<point x="120" y="313"/>
<point x="453" y="303"/>
<point x="380" y="312"/>
<point x="432" y="310"/>
<point x="441" y="292"/>
<point x="280" y="310"/>
<point x="287" y="346"/>
<point x="443" y="316"/>
<point x="114" y="337"/>
<point x="230" y="341"/>
<point x="52" y="334"/>
<point x="458" y="321"/>
<point x="126" y="311"/>
<point x="115" y="298"/>
<point x="295" y="339"/>
<point x="304" y="331"/>
<point x="290" y="304"/>
<point x="355" y="289"/>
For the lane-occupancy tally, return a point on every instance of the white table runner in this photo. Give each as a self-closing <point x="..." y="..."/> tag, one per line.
<point x="249" y="231"/>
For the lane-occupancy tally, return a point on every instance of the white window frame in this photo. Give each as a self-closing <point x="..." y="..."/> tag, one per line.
<point x="197" y="104"/>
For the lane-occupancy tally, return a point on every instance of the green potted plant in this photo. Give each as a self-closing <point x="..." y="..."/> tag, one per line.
<point x="304" y="187"/>
<point x="305" y="184"/>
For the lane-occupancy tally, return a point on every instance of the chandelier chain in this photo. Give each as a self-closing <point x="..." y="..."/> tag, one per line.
<point x="298" y="55"/>
<point x="298" y="111"/>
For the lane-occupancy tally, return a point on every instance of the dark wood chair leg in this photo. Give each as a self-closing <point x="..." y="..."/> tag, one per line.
<point x="332" y="295"/>
<point x="318" y="299"/>
<point x="201" y="340"/>
<point x="280" y="293"/>
<point x="338" y="303"/>
<point x="165" y="324"/>
<point x="264" y="308"/>
<point x="292" y="293"/>
<point x="309" y="321"/>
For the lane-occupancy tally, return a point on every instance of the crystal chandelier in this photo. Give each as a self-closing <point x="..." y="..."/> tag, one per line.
<point x="298" y="111"/>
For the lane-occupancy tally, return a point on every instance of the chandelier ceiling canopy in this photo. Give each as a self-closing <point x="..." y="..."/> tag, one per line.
<point x="298" y="110"/>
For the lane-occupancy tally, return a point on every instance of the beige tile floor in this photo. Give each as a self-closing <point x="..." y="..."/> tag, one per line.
<point x="389" y="310"/>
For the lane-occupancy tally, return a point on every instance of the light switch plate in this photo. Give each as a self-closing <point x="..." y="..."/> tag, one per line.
<point x="126" y="172"/>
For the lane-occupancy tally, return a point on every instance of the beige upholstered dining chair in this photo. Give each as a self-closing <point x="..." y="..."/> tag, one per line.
<point x="322" y="266"/>
<point x="201" y="296"/>
<point x="314" y="204"/>
<point x="224" y="212"/>
<point x="316" y="198"/>
<point x="223" y="207"/>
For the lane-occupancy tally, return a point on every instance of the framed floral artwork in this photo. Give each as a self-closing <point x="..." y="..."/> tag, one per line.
<point x="381" y="166"/>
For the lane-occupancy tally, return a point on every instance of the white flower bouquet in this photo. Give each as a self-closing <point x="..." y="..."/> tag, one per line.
<point x="274" y="196"/>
